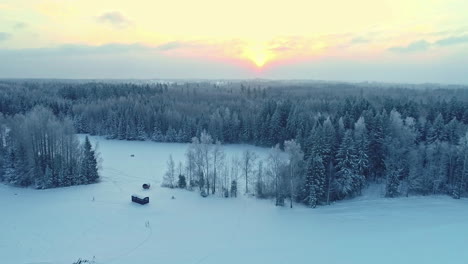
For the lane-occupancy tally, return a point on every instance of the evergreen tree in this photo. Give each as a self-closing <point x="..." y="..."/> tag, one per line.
<point x="362" y="144"/>
<point x="398" y="143"/>
<point x="47" y="180"/>
<point x="329" y="146"/>
<point x="140" y="133"/>
<point x="315" y="142"/>
<point x="9" y="170"/>
<point x="451" y="131"/>
<point x="415" y="181"/>
<point x="315" y="181"/>
<point x="462" y="174"/>
<point x="182" y="183"/>
<point x="275" y="129"/>
<point x="89" y="168"/>
<point x="347" y="179"/>
<point x="157" y="135"/>
<point x="234" y="188"/>
<point x="171" y="135"/>
<point x="376" y="147"/>
<point x="437" y="130"/>
<point x="329" y="140"/>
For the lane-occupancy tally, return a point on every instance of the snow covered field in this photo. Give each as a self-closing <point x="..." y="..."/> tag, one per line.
<point x="62" y="225"/>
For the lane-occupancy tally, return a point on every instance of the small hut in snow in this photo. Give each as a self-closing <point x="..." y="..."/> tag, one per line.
<point x="140" y="200"/>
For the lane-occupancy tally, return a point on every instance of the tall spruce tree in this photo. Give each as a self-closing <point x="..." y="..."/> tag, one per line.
<point x="89" y="168"/>
<point x="347" y="179"/>
<point x="362" y="144"/>
<point x="314" y="181"/>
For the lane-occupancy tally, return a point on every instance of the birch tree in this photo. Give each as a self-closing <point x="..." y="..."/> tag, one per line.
<point x="295" y="159"/>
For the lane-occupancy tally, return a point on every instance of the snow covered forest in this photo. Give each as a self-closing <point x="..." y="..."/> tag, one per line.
<point x="40" y="150"/>
<point x="337" y="137"/>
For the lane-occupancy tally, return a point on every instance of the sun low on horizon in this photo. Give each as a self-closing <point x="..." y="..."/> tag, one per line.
<point x="234" y="39"/>
<point x="258" y="54"/>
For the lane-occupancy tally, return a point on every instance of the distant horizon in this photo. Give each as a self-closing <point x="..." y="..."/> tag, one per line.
<point x="395" y="41"/>
<point x="232" y="80"/>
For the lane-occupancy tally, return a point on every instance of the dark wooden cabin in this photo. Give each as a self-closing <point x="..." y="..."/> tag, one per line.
<point x="139" y="200"/>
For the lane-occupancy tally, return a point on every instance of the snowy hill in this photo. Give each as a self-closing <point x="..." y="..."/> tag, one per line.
<point x="62" y="225"/>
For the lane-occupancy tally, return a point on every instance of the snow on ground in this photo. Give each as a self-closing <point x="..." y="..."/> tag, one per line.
<point x="62" y="225"/>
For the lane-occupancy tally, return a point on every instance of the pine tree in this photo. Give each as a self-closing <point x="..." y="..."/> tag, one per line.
<point x="9" y="171"/>
<point x="171" y="135"/>
<point x="462" y="174"/>
<point x="361" y="142"/>
<point x="122" y="132"/>
<point x="329" y="140"/>
<point x="181" y="137"/>
<point x="113" y="126"/>
<point x="3" y="151"/>
<point x="131" y="133"/>
<point x="347" y="179"/>
<point x="376" y="147"/>
<point x="89" y="169"/>
<point x="23" y="167"/>
<point x="234" y="188"/>
<point x="451" y="130"/>
<point x="315" y="142"/>
<point x="93" y="175"/>
<point x="437" y="130"/>
<point x="182" y="183"/>
<point x="157" y="135"/>
<point x="400" y="139"/>
<point x="140" y="133"/>
<point x="275" y="129"/>
<point x="48" y="179"/>
<point x="329" y="146"/>
<point x="416" y="171"/>
<point x="315" y="181"/>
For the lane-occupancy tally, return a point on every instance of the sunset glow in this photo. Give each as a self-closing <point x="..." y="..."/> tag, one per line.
<point x="259" y="54"/>
<point x="262" y="33"/>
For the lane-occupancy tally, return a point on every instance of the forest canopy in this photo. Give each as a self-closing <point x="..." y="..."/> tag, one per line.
<point x="410" y="137"/>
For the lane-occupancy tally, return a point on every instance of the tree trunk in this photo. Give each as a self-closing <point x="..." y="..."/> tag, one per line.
<point x="246" y="178"/>
<point x="213" y="190"/>
<point x="462" y="178"/>
<point x="292" y="187"/>
<point x="330" y="166"/>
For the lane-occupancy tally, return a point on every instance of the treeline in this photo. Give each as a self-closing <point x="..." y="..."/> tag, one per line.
<point x="410" y="138"/>
<point x="39" y="150"/>
<point x="331" y="170"/>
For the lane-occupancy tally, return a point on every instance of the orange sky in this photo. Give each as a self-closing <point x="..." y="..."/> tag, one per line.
<point x="256" y="35"/>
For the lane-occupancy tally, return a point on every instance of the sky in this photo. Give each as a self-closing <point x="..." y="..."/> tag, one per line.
<point x="413" y="41"/>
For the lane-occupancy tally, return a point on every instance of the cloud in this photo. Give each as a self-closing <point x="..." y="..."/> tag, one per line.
<point x="144" y="61"/>
<point x="111" y="61"/>
<point x="281" y="49"/>
<point x="452" y="40"/>
<point x="417" y="46"/>
<point x="423" y="45"/>
<point x="171" y="45"/>
<point x="73" y="50"/>
<point x="116" y="19"/>
<point x="360" y="40"/>
<point x="19" y="25"/>
<point x="4" y="36"/>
